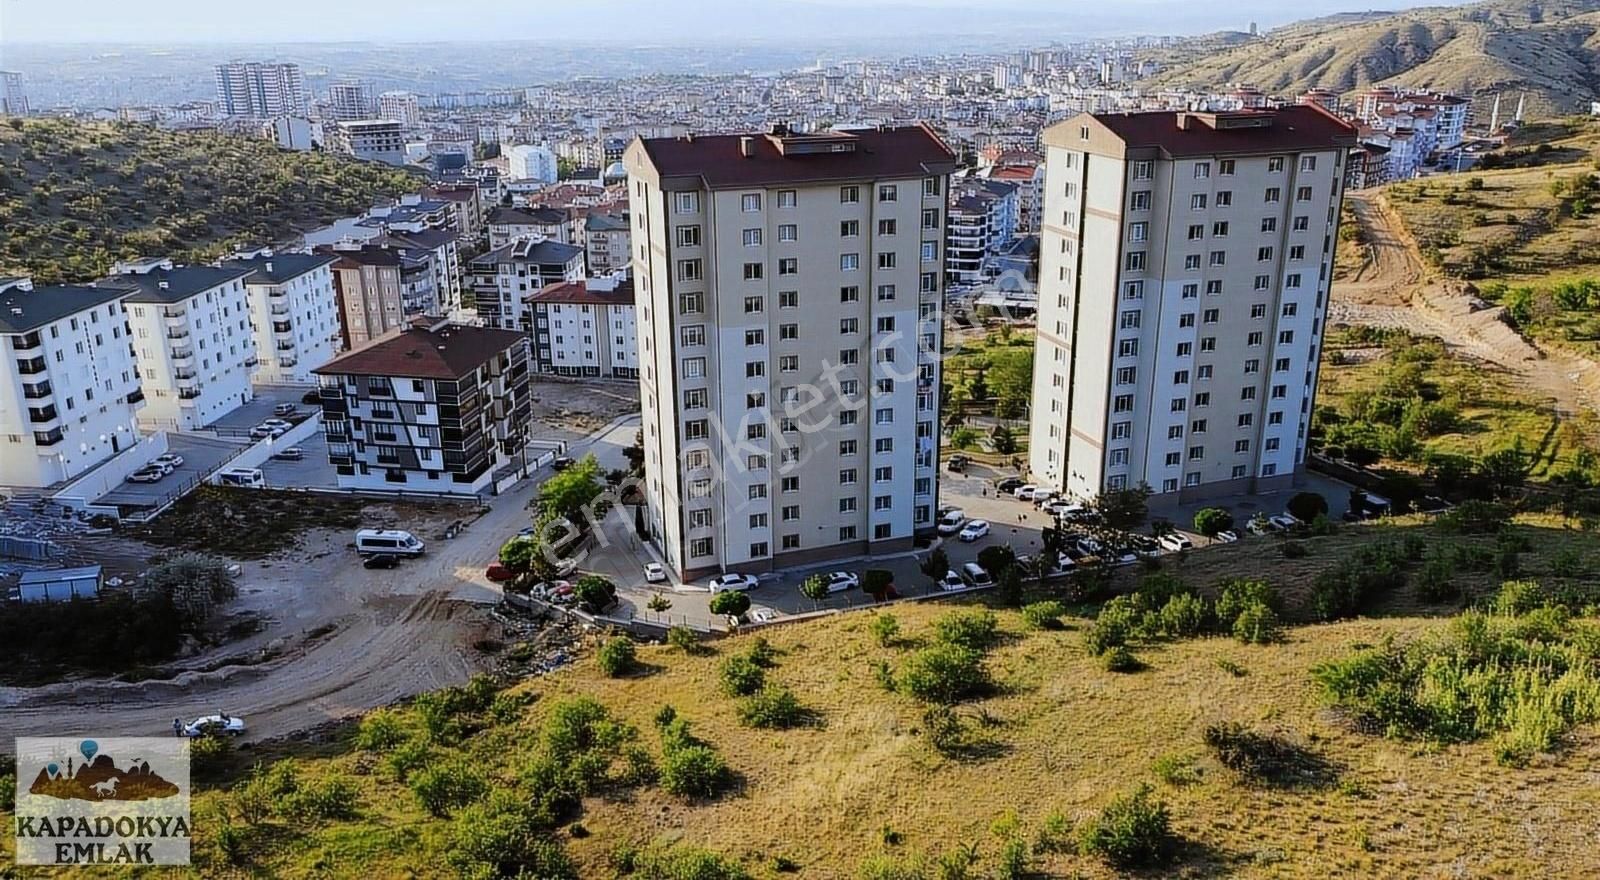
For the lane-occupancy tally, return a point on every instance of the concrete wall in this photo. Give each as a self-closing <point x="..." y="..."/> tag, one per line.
<point x="257" y="453"/>
<point x="88" y="489"/>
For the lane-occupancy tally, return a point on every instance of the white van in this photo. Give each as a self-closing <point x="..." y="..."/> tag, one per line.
<point x="388" y="541"/>
<point x="249" y="478"/>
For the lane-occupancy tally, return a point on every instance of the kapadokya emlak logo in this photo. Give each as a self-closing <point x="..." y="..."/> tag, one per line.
<point x="98" y="778"/>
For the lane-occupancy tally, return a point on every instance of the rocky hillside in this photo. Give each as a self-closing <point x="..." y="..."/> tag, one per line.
<point x="1549" y="49"/>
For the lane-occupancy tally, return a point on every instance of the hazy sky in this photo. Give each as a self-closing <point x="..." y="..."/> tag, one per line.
<point x="169" y="21"/>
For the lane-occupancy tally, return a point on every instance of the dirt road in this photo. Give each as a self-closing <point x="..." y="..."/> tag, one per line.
<point x="394" y="633"/>
<point x="1393" y="288"/>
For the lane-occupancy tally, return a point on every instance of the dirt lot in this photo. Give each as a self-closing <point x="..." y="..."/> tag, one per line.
<point x="568" y="409"/>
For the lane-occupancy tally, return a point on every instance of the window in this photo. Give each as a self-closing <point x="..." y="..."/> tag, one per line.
<point x="1289" y="309"/>
<point x="1208" y="343"/>
<point x="790" y="485"/>
<point x="1263" y="254"/>
<point x="1197" y="202"/>
<point x="887" y="227"/>
<point x="788" y="232"/>
<point x="930" y="251"/>
<point x="752" y="369"/>
<point x="1269" y="224"/>
<point x="688" y="236"/>
<point x="1253" y="339"/>
<point x="752" y="238"/>
<point x="1302" y="194"/>
<point x="689" y="270"/>
<point x="885" y="293"/>
<point x="1128" y="348"/>
<point x="1273" y="195"/>
<point x="1225" y="198"/>
<point x="1134" y="261"/>
<point x="1133" y="290"/>
<point x="1202" y="170"/>
<point x="788" y="198"/>
<point x="686" y="202"/>
<point x="882" y="474"/>
<point x="691" y="303"/>
<point x="788" y="266"/>
<point x="758" y="521"/>
<point x="1121" y="430"/>
<point x="758" y="491"/>
<point x="696" y="429"/>
<point x="789" y="363"/>
<point x="847" y="477"/>
<point x="1225" y="167"/>
<point x="755" y="337"/>
<point x="847" y="533"/>
<point x="1126" y="375"/>
<point x="1275" y="165"/>
<point x="1140" y="201"/>
<point x="1253" y="365"/>
<point x="1186" y="320"/>
<point x="1197" y="231"/>
<point x="1219" y="258"/>
<point x="1301" y="224"/>
<point x="1297" y="252"/>
<point x="1122" y="403"/>
<point x="1308" y="163"/>
<point x="1247" y="393"/>
<point x="694" y="368"/>
<point x="849" y="228"/>
<point x="888" y="192"/>
<point x="1211" y="316"/>
<point x="753" y="305"/>
<point x="701" y="547"/>
<point x="695" y="398"/>
<point x="886" y="261"/>
<point x="750" y="202"/>
<point x="1130" y="319"/>
<point x="849" y="195"/>
<point x="692" y="334"/>
<point x="849" y="262"/>
<point x="849" y="294"/>
<point x="930" y="218"/>
<point x="788" y="299"/>
<point x="1141" y="231"/>
<point x="1119" y="457"/>
<point x="752" y="271"/>
<point x="1191" y="262"/>
<point x="790" y="512"/>
<point x="1142" y="169"/>
<point x="930" y="186"/>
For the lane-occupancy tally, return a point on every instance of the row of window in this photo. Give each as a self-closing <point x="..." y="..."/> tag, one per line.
<point x="693" y="302"/>
<point x="1145" y="169"/>
<point x="704" y="547"/>
<point x="689" y="202"/>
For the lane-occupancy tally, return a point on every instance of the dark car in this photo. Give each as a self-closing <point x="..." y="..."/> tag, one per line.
<point x="562" y="463"/>
<point x="381" y="560"/>
<point x="1008" y="484"/>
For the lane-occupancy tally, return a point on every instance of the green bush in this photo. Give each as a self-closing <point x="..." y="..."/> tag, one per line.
<point x="977" y="629"/>
<point x="741" y="677"/>
<point x="684" y="639"/>
<point x="1133" y="831"/>
<point x="731" y="603"/>
<point x="325" y="799"/>
<point x="595" y="593"/>
<point x="1237" y="594"/>
<point x="694" y="772"/>
<point x="761" y="653"/>
<point x="1121" y="659"/>
<point x="1436" y="580"/>
<point x="1518" y="597"/>
<point x="408" y="756"/>
<point x="1043" y="615"/>
<point x="445" y="786"/>
<point x="1118" y="621"/>
<point x="1185" y="616"/>
<point x="681" y="862"/>
<point x="943" y="673"/>
<point x="772" y="708"/>
<point x="380" y="730"/>
<point x="1176" y="770"/>
<point x="617" y="657"/>
<point x="1211" y="520"/>
<point x="885" y="628"/>
<point x="502" y="837"/>
<point x="1257" y="624"/>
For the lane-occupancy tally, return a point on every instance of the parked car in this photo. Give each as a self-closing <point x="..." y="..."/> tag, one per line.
<point x="1282" y="522"/>
<point x="1119" y="556"/>
<point x="1175" y="542"/>
<point x="839" y="581"/>
<point x="1042" y="498"/>
<point x="220" y="724"/>
<point x="264" y="431"/>
<point x="975" y="575"/>
<point x="1090" y="547"/>
<point x="498" y="573"/>
<point x="293" y="453"/>
<point x="655" y="573"/>
<point x="1228" y="536"/>
<point x="170" y="461"/>
<point x="1259" y="526"/>
<point x="958" y="462"/>
<point x="381" y="560"/>
<point x="974" y="530"/>
<point x="277" y="423"/>
<point x="312" y="397"/>
<point x="951" y="521"/>
<point x="1060" y="507"/>
<point x="1143" y="544"/>
<point x="732" y="581"/>
<point x="147" y="474"/>
<point x="1025" y="491"/>
<point x="285" y="409"/>
<point x="561" y="463"/>
<point x="950" y="581"/>
<point x="1008" y="484"/>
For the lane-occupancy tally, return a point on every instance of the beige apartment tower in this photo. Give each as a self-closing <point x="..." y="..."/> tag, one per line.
<point x="1183" y="293"/>
<point x="789" y="291"/>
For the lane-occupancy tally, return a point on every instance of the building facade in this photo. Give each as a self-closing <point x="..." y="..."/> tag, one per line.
<point x="1183" y="286"/>
<point x="376" y="140"/>
<point x="400" y="106"/>
<point x="606" y="244"/>
<point x="431" y="407"/>
<point x="13" y="94"/>
<point x="586" y="328"/>
<point x="261" y="89"/>
<point x="294" y="314"/>
<point x="370" y="292"/>
<point x="505" y="278"/>
<point x="350" y="100"/>
<point x="69" y="386"/>
<point x="790" y="293"/>
<point x="191" y="331"/>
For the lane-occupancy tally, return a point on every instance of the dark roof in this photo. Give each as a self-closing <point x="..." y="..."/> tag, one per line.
<point x="279" y="268"/>
<point x="443" y="351"/>
<point x="427" y="238"/>
<point x="50" y="303"/>
<point x="876" y="153"/>
<point x="1296" y="127"/>
<point x="580" y="292"/>
<point x="605" y="223"/>
<point x="528" y="250"/>
<point x="366" y="255"/>
<point x="180" y="282"/>
<point x="527" y="216"/>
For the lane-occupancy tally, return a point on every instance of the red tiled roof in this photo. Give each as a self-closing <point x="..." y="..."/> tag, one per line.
<point x="579" y="292"/>
<point x="450" y="351"/>
<point x="910" y="151"/>
<point x="1295" y="127"/>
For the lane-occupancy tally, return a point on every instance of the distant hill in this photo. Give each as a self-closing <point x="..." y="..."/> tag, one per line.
<point x="1549" y="49"/>
<point x="76" y="196"/>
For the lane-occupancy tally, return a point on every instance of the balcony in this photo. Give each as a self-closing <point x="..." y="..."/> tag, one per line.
<point x="282" y="327"/>
<point x="287" y="361"/>
<point x="31" y="366"/>
<point x="251" y="361"/>
<point x="188" y="393"/>
<point x="281" y="311"/>
<point x="177" y="334"/>
<point x="37" y="391"/>
<point x="284" y="346"/>
<point x="25" y="342"/>
<point x="135" y="396"/>
<point x="182" y="375"/>
<point x="182" y="354"/>
<point x="39" y="415"/>
<point x="48" y="438"/>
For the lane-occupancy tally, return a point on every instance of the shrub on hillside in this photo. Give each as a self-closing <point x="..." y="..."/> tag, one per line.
<point x="1236" y="594"/>
<point x="885" y="628"/>
<point x="1185" y="616"/>
<point x="741" y="676"/>
<point x="617" y="657"/>
<point x="1133" y="831"/>
<point x="1043" y="615"/>
<point x="443" y="787"/>
<point x="380" y="730"/>
<point x="943" y="673"/>
<point x="502" y="837"/>
<point x="976" y="629"/>
<point x="773" y="707"/>
<point x="1257" y="624"/>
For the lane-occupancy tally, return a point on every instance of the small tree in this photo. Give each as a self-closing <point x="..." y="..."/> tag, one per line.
<point x="731" y="603"/>
<point x="885" y="628"/>
<point x="1211" y="521"/>
<point x="1124" y="508"/>
<point x="877" y="583"/>
<point x="1307" y="506"/>
<point x="1003" y="440"/>
<point x="996" y="559"/>
<point x="937" y="564"/>
<point x="616" y="657"/>
<point x="1161" y="528"/>
<point x="1009" y="586"/>
<point x="595" y="593"/>
<point x="814" y="588"/>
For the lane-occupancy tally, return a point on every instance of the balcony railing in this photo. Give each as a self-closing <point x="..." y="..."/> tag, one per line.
<point x="37" y="391"/>
<point x="177" y="333"/>
<point x="135" y="396"/>
<point x="182" y="375"/>
<point x="31" y="366"/>
<point x="188" y="393"/>
<point x="25" y="342"/>
<point x="48" y="438"/>
<point x="284" y="346"/>
<point x="182" y="354"/>
<point x="280" y="310"/>
<point x="251" y="361"/>
<point x="38" y="415"/>
<point x="281" y="327"/>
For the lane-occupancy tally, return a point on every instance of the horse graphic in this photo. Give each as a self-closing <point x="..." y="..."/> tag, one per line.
<point x="106" y="788"/>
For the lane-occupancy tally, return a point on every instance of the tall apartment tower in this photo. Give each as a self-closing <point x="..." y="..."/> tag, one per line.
<point x="790" y="298"/>
<point x="350" y="100"/>
<point x="13" y="95"/>
<point x="260" y="89"/>
<point x="1183" y="292"/>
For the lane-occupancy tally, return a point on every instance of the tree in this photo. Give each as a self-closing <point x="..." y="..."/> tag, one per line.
<point x="815" y="588"/>
<point x="1003" y="440"/>
<point x="1009" y="586"/>
<point x="1162" y="527"/>
<point x="1123" y="509"/>
<point x="937" y="563"/>
<point x="878" y="583"/>
<point x="1506" y="469"/>
<point x="1010" y="378"/>
<point x="1211" y="521"/>
<point x="996" y="559"/>
<point x="567" y="493"/>
<point x="638" y="523"/>
<point x="616" y="657"/>
<point x="1307" y="506"/>
<point x="731" y="603"/>
<point x="595" y="593"/>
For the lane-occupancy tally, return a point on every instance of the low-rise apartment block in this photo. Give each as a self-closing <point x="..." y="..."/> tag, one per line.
<point x="606" y="243"/>
<point x="69" y="386"/>
<point x="509" y="224"/>
<point x="431" y="407"/>
<point x="372" y="286"/>
<point x="294" y="313"/>
<point x="376" y="140"/>
<point x="504" y="278"/>
<point x="586" y="328"/>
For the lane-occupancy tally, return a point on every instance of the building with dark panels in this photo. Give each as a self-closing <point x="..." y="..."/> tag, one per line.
<point x="431" y="407"/>
<point x="503" y="278"/>
<point x="586" y="328"/>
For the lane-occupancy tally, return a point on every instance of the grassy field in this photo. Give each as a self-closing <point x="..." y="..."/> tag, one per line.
<point x="860" y="786"/>
<point x="1489" y="415"/>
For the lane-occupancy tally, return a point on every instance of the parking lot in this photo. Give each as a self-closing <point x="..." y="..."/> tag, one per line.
<point x="248" y="415"/>
<point x="312" y="471"/>
<point x="201" y="454"/>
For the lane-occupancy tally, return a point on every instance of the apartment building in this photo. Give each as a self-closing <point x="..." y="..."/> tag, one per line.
<point x="191" y="332"/>
<point x="400" y="106"/>
<point x="294" y="313"/>
<point x="375" y="140"/>
<point x="370" y="288"/>
<point x="586" y="328"/>
<point x="982" y="221"/>
<point x="606" y="243"/>
<point x="509" y="224"/>
<point x="790" y="298"/>
<point x="505" y="278"/>
<point x="261" y="89"/>
<point x="69" y="387"/>
<point x="430" y="407"/>
<point x="350" y="100"/>
<point x="13" y="94"/>
<point x="440" y="249"/>
<point x="1183" y="286"/>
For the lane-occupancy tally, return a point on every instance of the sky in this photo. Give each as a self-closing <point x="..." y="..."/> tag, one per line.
<point x="187" y="21"/>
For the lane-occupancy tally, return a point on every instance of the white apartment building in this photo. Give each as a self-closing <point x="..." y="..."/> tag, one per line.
<point x="1183" y="286"/>
<point x="13" y="95"/>
<point x="606" y="243"/>
<point x="294" y="314"/>
<point x="260" y="89"/>
<point x="400" y="106"/>
<point x="531" y="162"/>
<point x="790" y="301"/>
<point x="191" y="333"/>
<point x="69" y="387"/>
<point x="586" y="328"/>
<point x="509" y="224"/>
<point x="376" y="140"/>
<point x="504" y="279"/>
<point x="350" y="100"/>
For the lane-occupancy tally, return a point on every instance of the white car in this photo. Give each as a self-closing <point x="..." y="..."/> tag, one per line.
<point x="974" y="530"/>
<point x="221" y="724"/>
<point x="1059" y="507"/>
<point x="951" y="581"/>
<point x="975" y="575"/>
<point x="1227" y="537"/>
<point x="169" y="461"/>
<point x="1025" y="491"/>
<point x="1090" y="547"/>
<point x="951" y="521"/>
<point x="277" y="423"/>
<point x="655" y="573"/>
<point x="1283" y="522"/>
<point x="285" y="409"/>
<point x="723" y="583"/>
<point x="839" y="581"/>
<point x="147" y="474"/>
<point x="262" y="432"/>
<point x="293" y="453"/>
<point x="1175" y="542"/>
<point x="1043" y="498"/>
